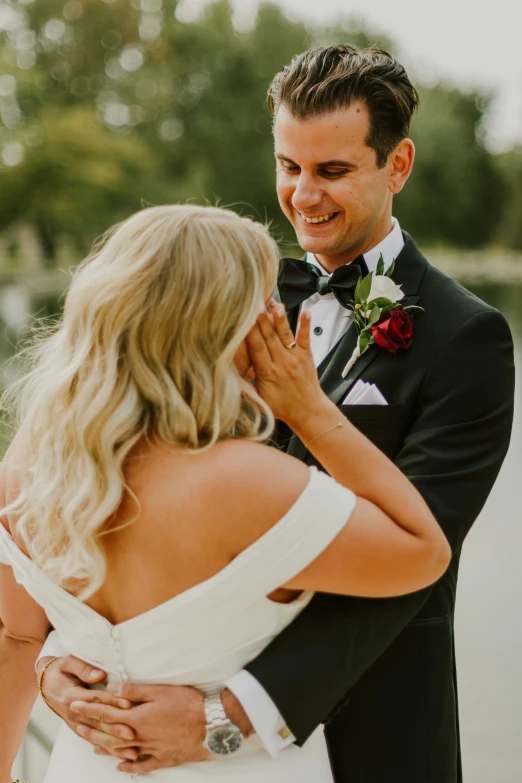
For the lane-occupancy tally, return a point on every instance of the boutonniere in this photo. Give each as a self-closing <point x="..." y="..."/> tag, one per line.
<point x="378" y="315"/>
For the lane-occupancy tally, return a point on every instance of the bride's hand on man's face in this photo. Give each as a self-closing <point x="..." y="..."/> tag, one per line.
<point x="285" y="376"/>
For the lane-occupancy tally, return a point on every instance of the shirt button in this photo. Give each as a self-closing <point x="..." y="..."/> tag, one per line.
<point x="318" y="330"/>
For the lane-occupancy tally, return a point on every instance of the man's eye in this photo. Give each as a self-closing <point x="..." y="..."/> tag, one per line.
<point x="333" y="172"/>
<point x="290" y="169"/>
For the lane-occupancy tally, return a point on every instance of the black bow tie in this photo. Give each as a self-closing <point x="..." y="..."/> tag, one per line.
<point x="298" y="280"/>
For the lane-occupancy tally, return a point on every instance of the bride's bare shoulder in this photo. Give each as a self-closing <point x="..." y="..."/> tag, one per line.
<point x="255" y="482"/>
<point x="255" y="464"/>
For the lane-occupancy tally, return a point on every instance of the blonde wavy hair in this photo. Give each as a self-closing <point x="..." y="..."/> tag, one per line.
<point x="145" y="350"/>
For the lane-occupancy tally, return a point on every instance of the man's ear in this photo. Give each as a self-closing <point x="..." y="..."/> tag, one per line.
<point x="401" y="164"/>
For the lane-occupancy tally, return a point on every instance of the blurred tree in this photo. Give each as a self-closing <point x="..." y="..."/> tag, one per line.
<point x="79" y="180"/>
<point x="105" y="103"/>
<point x="510" y="227"/>
<point x="455" y="195"/>
<point x="224" y="150"/>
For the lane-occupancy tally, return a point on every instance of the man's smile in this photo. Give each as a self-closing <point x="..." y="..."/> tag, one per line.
<point x="318" y="218"/>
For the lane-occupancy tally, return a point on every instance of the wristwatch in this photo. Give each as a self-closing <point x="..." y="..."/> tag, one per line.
<point x="222" y="737"/>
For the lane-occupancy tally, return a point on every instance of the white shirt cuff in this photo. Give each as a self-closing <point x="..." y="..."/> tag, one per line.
<point x="269" y="724"/>
<point x="52" y="648"/>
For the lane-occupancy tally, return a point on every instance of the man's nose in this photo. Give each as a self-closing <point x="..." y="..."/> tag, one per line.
<point x="307" y="193"/>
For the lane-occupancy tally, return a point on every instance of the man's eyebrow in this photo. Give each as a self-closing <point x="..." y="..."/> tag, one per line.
<point x="340" y="164"/>
<point x="337" y="163"/>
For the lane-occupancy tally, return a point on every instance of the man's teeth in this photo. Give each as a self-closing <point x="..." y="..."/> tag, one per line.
<point x="319" y="219"/>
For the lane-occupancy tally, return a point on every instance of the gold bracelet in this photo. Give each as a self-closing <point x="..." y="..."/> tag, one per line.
<point x="40" y="683"/>
<point x="339" y="424"/>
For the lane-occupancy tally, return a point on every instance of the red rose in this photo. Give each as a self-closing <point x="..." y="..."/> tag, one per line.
<point x="393" y="330"/>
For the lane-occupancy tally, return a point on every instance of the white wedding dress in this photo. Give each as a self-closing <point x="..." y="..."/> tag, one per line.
<point x="200" y="637"/>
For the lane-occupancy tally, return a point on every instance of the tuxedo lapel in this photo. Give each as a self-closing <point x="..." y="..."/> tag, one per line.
<point x="410" y="268"/>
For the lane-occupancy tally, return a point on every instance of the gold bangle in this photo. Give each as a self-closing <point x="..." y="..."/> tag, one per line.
<point x="40" y="683"/>
<point x="340" y="423"/>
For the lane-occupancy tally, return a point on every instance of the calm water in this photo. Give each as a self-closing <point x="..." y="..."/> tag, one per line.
<point x="489" y="620"/>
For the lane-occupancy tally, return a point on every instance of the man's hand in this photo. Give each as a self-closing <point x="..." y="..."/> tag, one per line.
<point x="67" y="680"/>
<point x="168" y="722"/>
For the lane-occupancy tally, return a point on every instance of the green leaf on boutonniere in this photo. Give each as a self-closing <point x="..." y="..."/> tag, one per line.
<point x="358" y="321"/>
<point x="356" y="296"/>
<point x="365" y="286"/>
<point x="374" y="315"/>
<point x="392" y="306"/>
<point x="391" y="270"/>
<point x="365" y="338"/>
<point x="380" y="265"/>
<point x="381" y="301"/>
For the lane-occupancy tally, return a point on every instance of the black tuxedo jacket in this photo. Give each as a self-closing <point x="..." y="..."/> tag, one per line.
<point x="380" y="673"/>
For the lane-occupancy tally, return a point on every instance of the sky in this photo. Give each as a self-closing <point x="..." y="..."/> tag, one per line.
<point x="470" y="43"/>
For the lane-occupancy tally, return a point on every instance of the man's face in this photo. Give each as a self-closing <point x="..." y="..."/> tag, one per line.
<point x="326" y="170"/>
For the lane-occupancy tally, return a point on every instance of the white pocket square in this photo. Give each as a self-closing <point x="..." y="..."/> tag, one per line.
<point x="364" y="394"/>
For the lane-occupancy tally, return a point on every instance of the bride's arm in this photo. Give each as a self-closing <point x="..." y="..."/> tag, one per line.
<point x="23" y="628"/>
<point x="392" y="544"/>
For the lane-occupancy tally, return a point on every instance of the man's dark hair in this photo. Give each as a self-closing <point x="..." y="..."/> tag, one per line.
<point x="324" y="80"/>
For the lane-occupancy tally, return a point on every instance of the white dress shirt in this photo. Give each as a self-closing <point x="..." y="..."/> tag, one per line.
<point x="329" y="321"/>
<point x="328" y="324"/>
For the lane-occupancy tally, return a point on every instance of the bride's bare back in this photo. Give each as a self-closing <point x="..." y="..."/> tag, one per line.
<point x="196" y="515"/>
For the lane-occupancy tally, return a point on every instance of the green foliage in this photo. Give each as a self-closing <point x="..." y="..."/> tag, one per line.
<point x="120" y="102"/>
<point x="78" y="178"/>
<point x="455" y="195"/>
<point x="383" y="302"/>
<point x="374" y="315"/>
<point x="509" y="165"/>
<point x="363" y="288"/>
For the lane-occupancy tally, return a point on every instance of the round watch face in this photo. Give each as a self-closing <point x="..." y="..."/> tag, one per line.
<point x="224" y="740"/>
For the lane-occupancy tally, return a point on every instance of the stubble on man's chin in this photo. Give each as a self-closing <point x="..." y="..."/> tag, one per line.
<point x="338" y="254"/>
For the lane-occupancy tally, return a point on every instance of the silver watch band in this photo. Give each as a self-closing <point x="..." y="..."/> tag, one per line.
<point x="214" y="711"/>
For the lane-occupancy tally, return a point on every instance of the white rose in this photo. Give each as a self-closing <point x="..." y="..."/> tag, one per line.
<point x="383" y="286"/>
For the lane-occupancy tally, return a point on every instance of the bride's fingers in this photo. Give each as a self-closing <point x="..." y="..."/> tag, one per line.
<point x="102" y="697"/>
<point x="271" y="337"/>
<point x="303" y="332"/>
<point x="282" y="326"/>
<point x="104" y="715"/>
<point x="257" y="348"/>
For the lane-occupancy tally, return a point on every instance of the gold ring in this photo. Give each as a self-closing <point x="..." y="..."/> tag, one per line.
<point x="292" y="345"/>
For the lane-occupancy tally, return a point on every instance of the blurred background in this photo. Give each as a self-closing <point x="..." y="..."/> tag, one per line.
<point x="110" y="105"/>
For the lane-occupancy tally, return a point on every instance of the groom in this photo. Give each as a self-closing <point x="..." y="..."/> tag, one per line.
<point x="380" y="674"/>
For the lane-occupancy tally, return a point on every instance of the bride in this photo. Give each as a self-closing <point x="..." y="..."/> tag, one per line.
<point x="144" y="517"/>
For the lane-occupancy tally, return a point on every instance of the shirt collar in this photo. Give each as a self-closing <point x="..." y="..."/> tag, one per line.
<point x="389" y="247"/>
